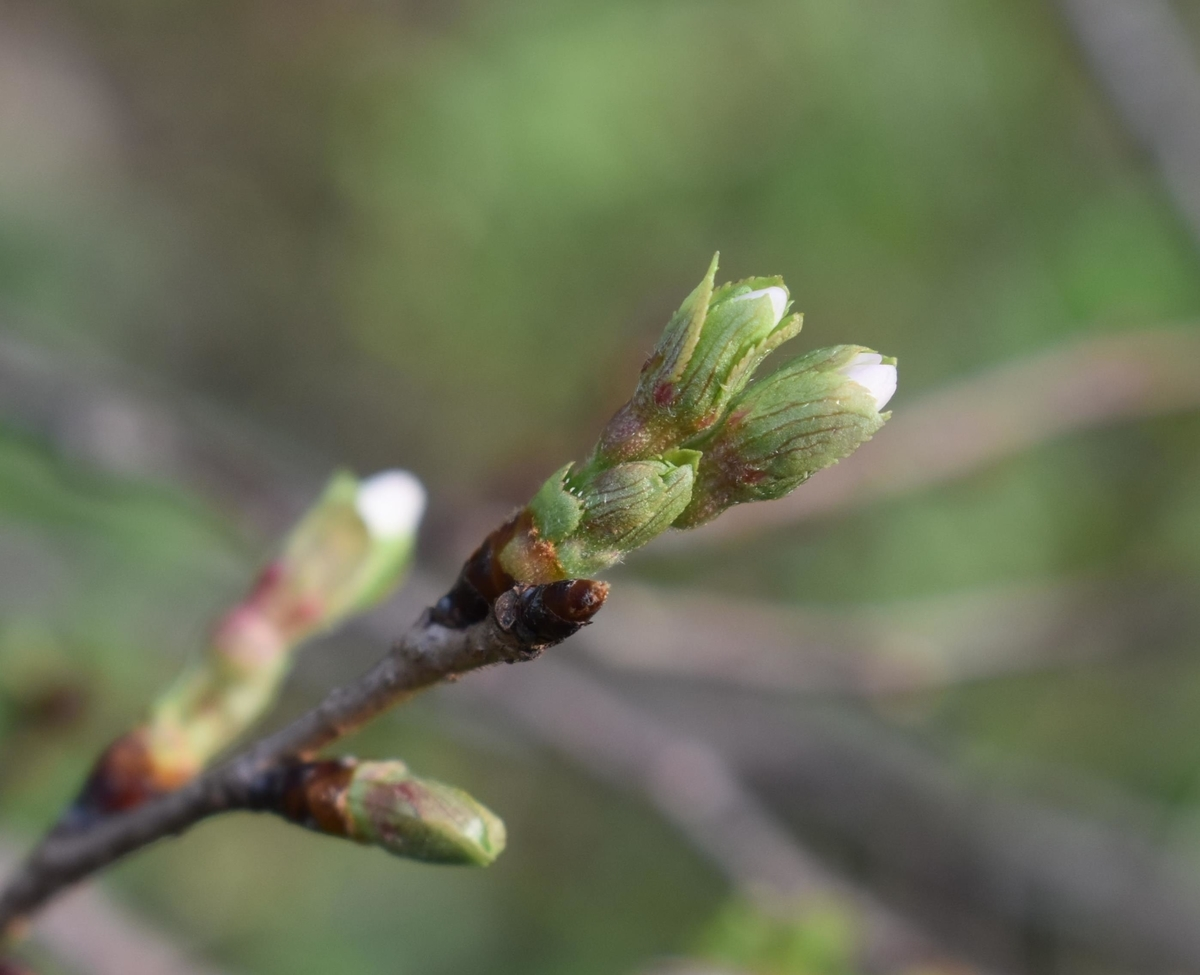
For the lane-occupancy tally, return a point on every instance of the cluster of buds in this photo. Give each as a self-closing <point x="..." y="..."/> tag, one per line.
<point x="347" y="552"/>
<point x="383" y="804"/>
<point x="696" y="437"/>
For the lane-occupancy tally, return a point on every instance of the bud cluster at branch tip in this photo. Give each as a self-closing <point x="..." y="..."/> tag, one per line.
<point x="384" y="804"/>
<point x="348" y="551"/>
<point x="697" y="436"/>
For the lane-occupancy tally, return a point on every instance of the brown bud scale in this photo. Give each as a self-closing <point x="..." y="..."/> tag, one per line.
<point x="481" y="580"/>
<point x="541" y="616"/>
<point x="310" y="794"/>
<point x="125" y="776"/>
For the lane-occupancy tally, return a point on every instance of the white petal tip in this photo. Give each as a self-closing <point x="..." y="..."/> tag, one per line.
<point x="778" y="296"/>
<point x="868" y="369"/>
<point x="391" y="503"/>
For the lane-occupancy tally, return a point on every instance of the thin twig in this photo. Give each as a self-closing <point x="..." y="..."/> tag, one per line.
<point x="835" y="774"/>
<point x="93" y="935"/>
<point x="427" y="654"/>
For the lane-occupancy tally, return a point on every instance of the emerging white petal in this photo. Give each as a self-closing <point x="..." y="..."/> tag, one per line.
<point x="868" y="369"/>
<point x="391" y="503"/>
<point x="778" y="296"/>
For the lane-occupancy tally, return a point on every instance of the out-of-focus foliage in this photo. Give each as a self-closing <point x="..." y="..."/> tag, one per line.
<point x="813" y="940"/>
<point x="444" y="236"/>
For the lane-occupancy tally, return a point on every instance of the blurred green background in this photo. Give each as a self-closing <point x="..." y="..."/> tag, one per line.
<point x="443" y="236"/>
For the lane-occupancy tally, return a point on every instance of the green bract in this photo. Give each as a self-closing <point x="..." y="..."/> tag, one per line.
<point x="625" y="507"/>
<point x="593" y="518"/>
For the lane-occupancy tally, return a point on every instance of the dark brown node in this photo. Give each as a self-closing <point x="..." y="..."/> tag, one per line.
<point x="310" y="794"/>
<point x="124" y="777"/>
<point x="482" y="579"/>
<point x="541" y="616"/>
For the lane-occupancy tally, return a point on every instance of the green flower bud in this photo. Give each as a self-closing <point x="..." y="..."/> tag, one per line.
<point x="783" y="429"/>
<point x="350" y="549"/>
<point x="389" y="807"/>
<point x="624" y="507"/>
<point x="705" y="357"/>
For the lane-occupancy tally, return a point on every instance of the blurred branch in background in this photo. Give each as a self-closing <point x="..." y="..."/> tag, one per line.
<point x="875" y="652"/>
<point x="990" y="867"/>
<point x="92" y="935"/>
<point x="105" y="419"/>
<point x="976" y="422"/>
<point x="695" y="789"/>
<point x="1140" y="52"/>
<point x="974" y="864"/>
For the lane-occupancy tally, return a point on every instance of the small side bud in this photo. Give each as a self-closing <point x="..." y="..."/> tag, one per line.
<point x="542" y="616"/>
<point x="779" y="432"/>
<point x="705" y="357"/>
<point x="349" y="550"/>
<point x="389" y="807"/>
<point x="383" y="804"/>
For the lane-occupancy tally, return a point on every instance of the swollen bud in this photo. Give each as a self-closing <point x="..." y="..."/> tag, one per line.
<point x="783" y="429"/>
<point x="389" y="807"/>
<point x="705" y="357"/>
<point x="383" y="804"/>
<point x="349" y="550"/>
<point x="590" y="520"/>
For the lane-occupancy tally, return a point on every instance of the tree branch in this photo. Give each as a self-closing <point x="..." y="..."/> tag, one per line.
<point x="427" y="654"/>
<point x="92" y="935"/>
